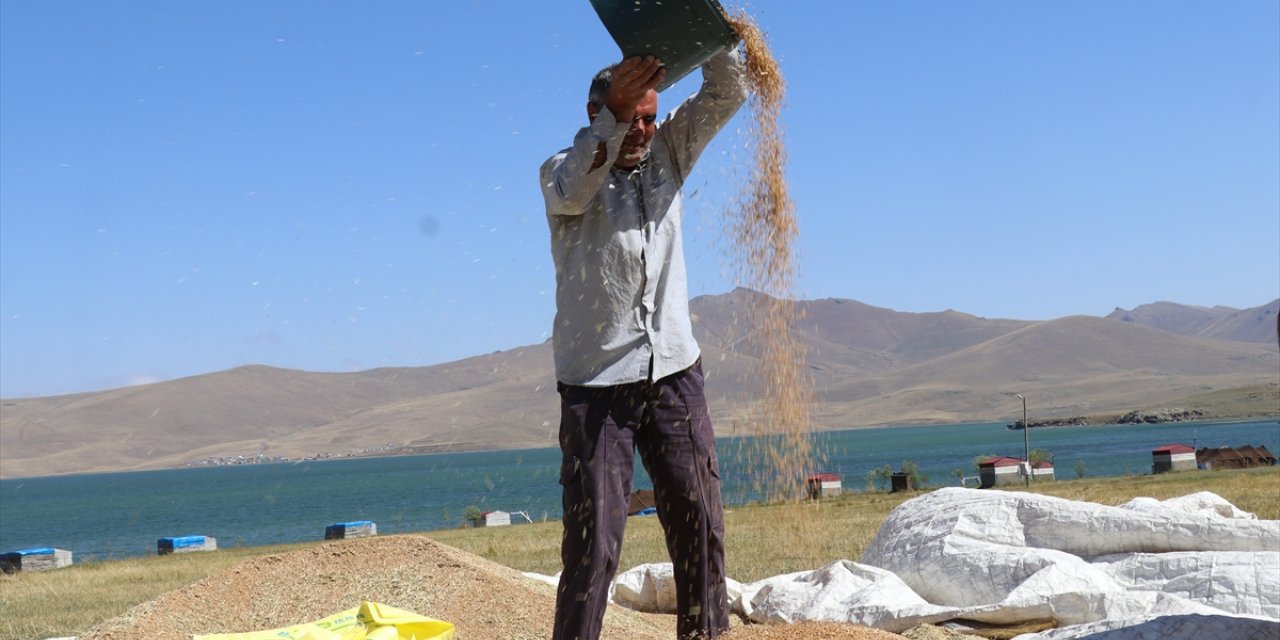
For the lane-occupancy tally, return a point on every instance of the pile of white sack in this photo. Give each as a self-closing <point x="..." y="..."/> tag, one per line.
<point x="1190" y="567"/>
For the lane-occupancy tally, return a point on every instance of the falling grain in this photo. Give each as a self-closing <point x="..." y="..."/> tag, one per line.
<point x="765" y="230"/>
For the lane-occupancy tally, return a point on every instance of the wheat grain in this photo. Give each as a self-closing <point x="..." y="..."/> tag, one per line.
<point x="764" y="227"/>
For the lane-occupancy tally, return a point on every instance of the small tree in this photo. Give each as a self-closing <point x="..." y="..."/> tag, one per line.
<point x="878" y="479"/>
<point x="1041" y="455"/>
<point x="912" y="470"/>
<point x="1079" y="468"/>
<point x="471" y="514"/>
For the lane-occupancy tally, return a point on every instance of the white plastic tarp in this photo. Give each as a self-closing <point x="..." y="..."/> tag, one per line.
<point x="1008" y="557"/>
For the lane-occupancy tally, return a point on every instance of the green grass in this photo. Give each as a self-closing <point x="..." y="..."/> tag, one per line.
<point x="762" y="541"/>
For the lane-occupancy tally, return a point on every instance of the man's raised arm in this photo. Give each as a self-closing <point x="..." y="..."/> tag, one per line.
<point x="693" y="124"/>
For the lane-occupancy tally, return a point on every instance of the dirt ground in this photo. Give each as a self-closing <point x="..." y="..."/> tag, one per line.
<point x="484" y="600"/>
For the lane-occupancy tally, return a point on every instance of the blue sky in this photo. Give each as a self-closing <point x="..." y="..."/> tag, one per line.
<point x="189" y="187"/>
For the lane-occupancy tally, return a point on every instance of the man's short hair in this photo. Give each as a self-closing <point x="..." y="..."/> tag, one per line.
<point x="600" y="86"/>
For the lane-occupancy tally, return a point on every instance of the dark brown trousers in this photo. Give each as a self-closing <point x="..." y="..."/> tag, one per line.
<point x="600" y="428"/>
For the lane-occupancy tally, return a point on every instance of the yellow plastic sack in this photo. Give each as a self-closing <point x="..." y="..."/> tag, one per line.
<point x="369" y="621"/>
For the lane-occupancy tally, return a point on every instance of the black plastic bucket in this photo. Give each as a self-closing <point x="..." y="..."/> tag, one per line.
<point x="681" y="33"/>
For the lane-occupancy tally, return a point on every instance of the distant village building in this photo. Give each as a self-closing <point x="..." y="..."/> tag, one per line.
<point x="354" y="529"/>
<point x="822" y="485"/>
<point x="1244" y="457"/>
<point x="1042" y="470"/>
<point x="1173" y="457"/>
<point x="185" y="544"/>
<point x="36" y="559"/>
<point x="1005" y="470"/>
<point x="493" y="519"/>
<point x="999" y="470"/>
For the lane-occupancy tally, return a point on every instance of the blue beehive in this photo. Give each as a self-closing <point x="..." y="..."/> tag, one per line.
<point x="34" y="559"/>
<point x="185" y="544"/>
<point x="356" y="529"/>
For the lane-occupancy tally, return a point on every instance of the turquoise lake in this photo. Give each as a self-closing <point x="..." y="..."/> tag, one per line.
<point x="113" y="515"/>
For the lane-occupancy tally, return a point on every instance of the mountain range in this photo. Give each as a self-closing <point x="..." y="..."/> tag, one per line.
<point x="870" y="366"/>
<point x="1223" y="323"/>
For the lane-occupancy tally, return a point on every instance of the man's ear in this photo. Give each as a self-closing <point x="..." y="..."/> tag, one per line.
<point x="592" y="111"/>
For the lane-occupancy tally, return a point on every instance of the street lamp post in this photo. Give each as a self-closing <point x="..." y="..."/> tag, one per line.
<point x="1026" y="441"/>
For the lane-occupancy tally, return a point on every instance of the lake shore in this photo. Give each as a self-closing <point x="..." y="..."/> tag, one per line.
<point x="1097" y="420"/>
<point x="1171" y="416"/>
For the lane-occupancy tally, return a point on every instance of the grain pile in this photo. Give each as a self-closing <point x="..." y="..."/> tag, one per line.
<point x="764" y="228"/>
<point x="484" y="600"/>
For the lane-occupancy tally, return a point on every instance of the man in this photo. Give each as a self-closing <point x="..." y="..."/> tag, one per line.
<point x="628" y="367"/>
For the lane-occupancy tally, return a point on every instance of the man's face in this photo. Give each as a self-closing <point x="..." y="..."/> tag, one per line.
<point x="636" y="145"/>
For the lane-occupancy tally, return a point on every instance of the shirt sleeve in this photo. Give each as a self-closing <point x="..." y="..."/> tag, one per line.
<point x="568" y="180"/>
<point x="690" y="128"/>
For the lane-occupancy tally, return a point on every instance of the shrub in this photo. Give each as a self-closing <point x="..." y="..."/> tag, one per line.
<point x="879" y="479"/>
<point x="471" y="514"/>
<point x="912" y="470"/>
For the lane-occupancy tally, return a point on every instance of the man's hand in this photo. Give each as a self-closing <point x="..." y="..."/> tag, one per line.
<point x="632" y="79"/>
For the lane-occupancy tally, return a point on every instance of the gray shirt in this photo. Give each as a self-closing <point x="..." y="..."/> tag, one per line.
<point x="622" y="299"/>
